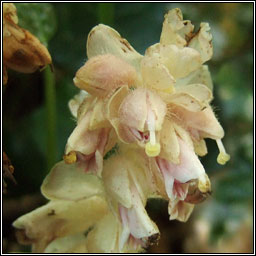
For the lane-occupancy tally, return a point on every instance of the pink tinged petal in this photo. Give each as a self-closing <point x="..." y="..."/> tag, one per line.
<point x="180" y="210"/>
<point x="125" y="232"/>
<point x="141" y="226"/>
<point x="133" y="110"/>
<point x="156" y="76"/>
<point x="189" y="168"/>
<point x="81" y="139"/>
<point x="136" y="243"/>
<point x="180" y="190"/>
<point x="103" y="74"/>
<point x="204" y="121"/>
<point x="143" y="110"/>
<point x="168" y="178"/>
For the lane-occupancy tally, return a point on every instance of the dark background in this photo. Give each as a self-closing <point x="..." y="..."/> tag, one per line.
<point x="37" y="122"/>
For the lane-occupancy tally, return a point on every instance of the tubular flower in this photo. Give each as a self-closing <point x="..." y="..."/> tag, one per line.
<point x="141" y="123"/>
<point x="128" y="185"/>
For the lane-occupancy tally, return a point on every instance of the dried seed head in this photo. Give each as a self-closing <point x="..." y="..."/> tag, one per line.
<point x="102" y="74"/>
<point x="23" y="52"/>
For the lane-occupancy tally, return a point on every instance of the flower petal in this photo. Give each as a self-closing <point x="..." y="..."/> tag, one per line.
<point x="98" y="118"/>
<point x="186" y="101"/>
<point x="170" y="148"/>
<point x="200" y="147"/>
<point x="81" y="139"/>
<point x="199" y="91"/>
<point x="76" y="101"/>
<point x="70" y="244"/>
<point x="175" y="30"/>
<point x="204" y="121"/>
<point x="70" y="182"/>
<point x="189" y="168"/>
<point x="133" y="110"/>
<point x="60" y="218"/>
<point x="103" y="74"/>
<point x="180" y="62"/>
<point x="202" y="42"/>
<point x="105" y="40"/>
<point x="104" y="237"/>
<point x="199" y="76"/>
<point x="180" y="210"/>
<point x="116" y="180"/>
<point x="141" y="226"/>
<point x="155" y="75"/>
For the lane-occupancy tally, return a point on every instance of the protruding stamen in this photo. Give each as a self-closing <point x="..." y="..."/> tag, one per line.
<point x="152" y="147"/>
<point x="223" y="157"/>
<point x="70" y="158"/>
<point x="152" y="150"/>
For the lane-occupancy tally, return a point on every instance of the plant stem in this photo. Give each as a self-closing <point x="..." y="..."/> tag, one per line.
<point x="51" y="117"/>
<point x="106" y="13"/>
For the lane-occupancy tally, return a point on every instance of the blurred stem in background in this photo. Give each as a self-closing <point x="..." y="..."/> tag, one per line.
<point x="105" y="13"/>
<point x="51" y="117"/>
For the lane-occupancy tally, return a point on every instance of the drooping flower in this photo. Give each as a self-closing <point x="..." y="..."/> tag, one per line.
<point x="156" y="109"/>
<point x="128" y="184"/>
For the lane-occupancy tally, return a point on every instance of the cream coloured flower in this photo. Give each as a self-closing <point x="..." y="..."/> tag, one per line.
<point x="76" y="204"/>
<point x="156" y="109"/>
<point x="128" y="184"/>
<point x="77" y="218"/>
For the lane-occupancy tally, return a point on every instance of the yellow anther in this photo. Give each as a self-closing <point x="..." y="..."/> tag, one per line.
<point x="204" y="184"/>
<point x="223" y="158"/>
<point x="70" y="158"/>
<point x="152" y="150"/>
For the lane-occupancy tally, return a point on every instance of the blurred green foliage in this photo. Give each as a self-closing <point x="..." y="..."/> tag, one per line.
<point x="64" y="27"/>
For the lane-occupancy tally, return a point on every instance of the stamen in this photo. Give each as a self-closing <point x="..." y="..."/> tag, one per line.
<point x="223" y="157"/>
<point x="152" y="148"/>
<point x="204" y="184"/>
<point x="70" y="158"/>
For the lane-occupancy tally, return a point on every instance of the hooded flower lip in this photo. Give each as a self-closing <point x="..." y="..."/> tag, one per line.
<point x="100" y="78"/>
<point x="105" y="40"/>
<point x="87" y="146"/>
<point x="143" y="112"/>
<point x="59" y="218"/>
<point x="185" y="181"/>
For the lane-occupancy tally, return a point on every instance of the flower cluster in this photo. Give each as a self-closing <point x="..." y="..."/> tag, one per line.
<point x="142" y="122"/>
